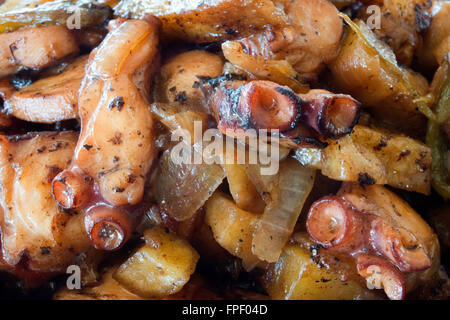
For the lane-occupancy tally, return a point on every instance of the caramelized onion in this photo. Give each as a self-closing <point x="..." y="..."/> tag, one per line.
<point x="285" y="194"/>
<point x="279" y="71"/>
<point x="182" y="189"/>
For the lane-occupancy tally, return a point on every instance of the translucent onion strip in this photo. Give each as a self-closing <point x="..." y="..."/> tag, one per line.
<point x="182" y="189"/>
<point x="285" y="194"/>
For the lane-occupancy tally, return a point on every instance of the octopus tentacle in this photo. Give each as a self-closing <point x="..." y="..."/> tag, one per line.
<point x="331" y="115"/>
<point x="115" y="148"/>
<point x="334" y="223"/>
<point x="400" y="246"/>
<point x="387" y="238"/>
<point x="108" y="227"/>
<point x="267" y="105"/>
<point x="71" y="188"/>
<point x="381" y="274"/>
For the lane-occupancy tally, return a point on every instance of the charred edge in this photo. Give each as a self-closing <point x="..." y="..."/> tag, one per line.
<point x="41" y="149"/>
<point x="327" y="128"/>
<point x="181" y="97"/>
<point x="365" y="179"/>
<point x="297" y="102"/>
<point x="239" y="119"/>
<point x="215" y="82"/>
<point x="118" y="190"/>
<point x="423" y="19"/>
<point x="45" y="250"/>
<point x="302" y="141"/>
<point x="117" y="102"/>
<point x="58" y="145"/>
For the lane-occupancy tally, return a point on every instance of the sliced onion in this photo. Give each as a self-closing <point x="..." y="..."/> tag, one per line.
<point x="182" y="189"/>
<point x="279" y="71"/>
<point x="285" y="194"/>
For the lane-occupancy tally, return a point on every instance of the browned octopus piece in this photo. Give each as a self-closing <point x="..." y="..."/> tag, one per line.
<point x="300" y="119"/>
<point x="115" y="148"/>
<point x="388" y="239"/>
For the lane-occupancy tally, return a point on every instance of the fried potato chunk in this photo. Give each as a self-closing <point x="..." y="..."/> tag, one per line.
<point x="374" y="156"/>
<point x="300" y="274"/>
<point x="232" y="227"/>
<point x="110" y="289"/>
<point x="161" y="267"/>
<point x="386" y="158"/>
<point x="364" y="75"/>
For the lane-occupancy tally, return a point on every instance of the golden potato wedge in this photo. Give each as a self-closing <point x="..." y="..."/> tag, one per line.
<point x="50" y="99"/>
<point x="232" y="227"/>
<point x="198" y="21"/>
<point x="241" y="188"/>
<point x="161" y="267"/>
<point x="298" y="275"/>
<point x="109" y="289"/>
<point x="374" y="156"/>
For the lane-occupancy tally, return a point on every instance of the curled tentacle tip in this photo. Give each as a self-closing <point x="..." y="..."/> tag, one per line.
<point x="381" y="274"/>
<point x="331" y="115"/>
<point x="342" y="114"/>
<point x="108" y="227"/>
<point x="270" y="105"/>
<point x="334" y="223"/>
<point x="107" y="235"/>
<point x="400" y="247"/>
<point x="71" y="189"/>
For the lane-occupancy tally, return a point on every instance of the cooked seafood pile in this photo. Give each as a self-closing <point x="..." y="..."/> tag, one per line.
<point x="313" y="136"/>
